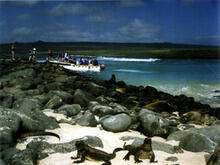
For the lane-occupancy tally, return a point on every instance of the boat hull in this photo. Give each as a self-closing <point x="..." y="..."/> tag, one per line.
<point x="74" y="67"/>
<point x="83" y="68"/>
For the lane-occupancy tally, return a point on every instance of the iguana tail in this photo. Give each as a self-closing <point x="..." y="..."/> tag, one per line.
<point x="28" y="134"/>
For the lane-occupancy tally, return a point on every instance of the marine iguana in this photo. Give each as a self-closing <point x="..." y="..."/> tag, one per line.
<point x="140" y="152"/>
<point x="39" y="133"/>
<point x="85" y="151"/>
<point x="215" y="157"/>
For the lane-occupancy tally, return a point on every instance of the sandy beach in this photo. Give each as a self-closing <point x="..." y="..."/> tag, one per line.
<point x="110" y="141"/>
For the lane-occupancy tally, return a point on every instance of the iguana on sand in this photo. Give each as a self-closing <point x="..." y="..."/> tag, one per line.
<point x="85" y="151"/>
<point x="140" y="152"/>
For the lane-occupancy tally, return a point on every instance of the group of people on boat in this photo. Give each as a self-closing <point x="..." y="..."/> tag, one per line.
<point x="65" y="57"/>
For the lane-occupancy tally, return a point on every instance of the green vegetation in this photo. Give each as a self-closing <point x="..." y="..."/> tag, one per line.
<point x="138" y="50"/>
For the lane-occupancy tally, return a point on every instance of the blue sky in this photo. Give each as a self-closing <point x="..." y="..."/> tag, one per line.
<point x="176" y="21"/>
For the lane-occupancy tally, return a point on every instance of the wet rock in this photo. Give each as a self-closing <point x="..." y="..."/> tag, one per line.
<point x="10" y="124"/>
<point x="81" y="97"/>
<point x="4" y="82"/>
<point x="172" y="159"/>
<point x="102" y="100"/>
<point x="17" y="157"/>
<point x="211" y="132"/>
<point x="160" y="146"/>
<point x="102" y="110"/>
<point x="196" y="143"/>
<point x="87" y="119"/>
<point x="116" y="123"/>
<point x="33" y="92"/>
<point x="7" y="99"/>
<point x="95" y="89"/>
<point x="117" y="107"/>
<point x="54" y="103"/>
<point x="69" y="110"/>
<point x="27" y="104"/>
<point x="65" y="96"/>
<point x="2" y="162"/>
<point x="16" y="92"/>
<point x="153" y="125"/>
<point x="43" y="99"/>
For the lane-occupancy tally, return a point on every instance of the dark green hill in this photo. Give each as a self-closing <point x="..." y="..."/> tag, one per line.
<point x="139" y="50"/>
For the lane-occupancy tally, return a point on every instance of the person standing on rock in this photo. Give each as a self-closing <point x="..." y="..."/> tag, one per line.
<point x="12" y="50"/>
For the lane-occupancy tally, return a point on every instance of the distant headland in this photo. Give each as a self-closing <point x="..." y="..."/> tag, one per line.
<point x="138" y="50"/>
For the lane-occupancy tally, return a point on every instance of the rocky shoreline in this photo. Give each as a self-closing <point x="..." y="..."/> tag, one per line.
<point x="29" y="90"/>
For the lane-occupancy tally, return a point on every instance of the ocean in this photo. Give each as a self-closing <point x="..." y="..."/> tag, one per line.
<point x="198" y="78"/>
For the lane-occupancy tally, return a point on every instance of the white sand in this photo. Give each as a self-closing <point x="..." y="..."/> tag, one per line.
<point x="110" y="141"/>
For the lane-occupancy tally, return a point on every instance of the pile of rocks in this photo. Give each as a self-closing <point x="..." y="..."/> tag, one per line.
<point x="26" y="89"/>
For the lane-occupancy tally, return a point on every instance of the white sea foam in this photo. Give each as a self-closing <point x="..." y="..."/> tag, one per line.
<point x="128" y="59"/>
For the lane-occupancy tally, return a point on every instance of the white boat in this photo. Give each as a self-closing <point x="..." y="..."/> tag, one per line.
<point x="77" y="67"/>
<point x="59" y="62"/>
<point x="84" y="68"/>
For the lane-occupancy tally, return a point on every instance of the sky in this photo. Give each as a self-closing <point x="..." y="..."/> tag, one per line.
<point x="144" y="21"/>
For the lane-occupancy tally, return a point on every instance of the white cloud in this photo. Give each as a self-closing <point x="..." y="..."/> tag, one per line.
<point x="24" y="17"/>
<point x="20" y="3"/>
<point x="21" y="31"/>
<point x="69" y="9"/>
<point x="140" y="30"/>
<point x="100" y="19"/>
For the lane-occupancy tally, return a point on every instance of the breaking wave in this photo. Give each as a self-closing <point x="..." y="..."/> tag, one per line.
<point x="128" y="59"/>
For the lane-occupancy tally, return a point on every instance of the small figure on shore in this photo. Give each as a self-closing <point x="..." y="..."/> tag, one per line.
<point x="113" y="79"/>
<point x="32" y="57"/>
<point x="12" y="50"/>
<point x="66" y="56"/>
<point x="50" y="54"/>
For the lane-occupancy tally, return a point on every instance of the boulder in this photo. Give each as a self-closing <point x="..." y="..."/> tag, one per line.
<point x="6" y="98"/>
<point x="196" y="143"/>
<point x="160" y="146"/>
<point x="152" y="124"/>
<point x="116" y="123"/>
<point x="65" y="96"/>
<point x="95" y="89"/>
<point x="211" y="132"/>
<point x="54" y="103"/>
<point x="10" y="124"/>
<point x="17" y="157"/>
<point x="81" y="97"/>
<point x="69" y="110"/>
<point x="27" y="104"/>
<point x="87" y="119"/>
<point x="102" y="110"/>
<point x="117" y="107"/>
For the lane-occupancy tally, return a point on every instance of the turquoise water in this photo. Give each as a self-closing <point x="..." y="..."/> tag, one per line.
<point x="197" y="78"/>
<point x="193" y="77"/>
